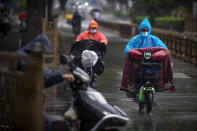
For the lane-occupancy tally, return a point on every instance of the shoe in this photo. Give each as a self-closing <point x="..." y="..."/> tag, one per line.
<point x="150" y="114"/>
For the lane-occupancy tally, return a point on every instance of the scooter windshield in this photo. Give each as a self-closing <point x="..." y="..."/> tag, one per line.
<point x="89" y="44"/>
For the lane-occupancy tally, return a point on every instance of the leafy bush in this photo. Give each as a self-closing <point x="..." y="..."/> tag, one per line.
<point x="139" y="19"/>
<point x="173" y="23"/>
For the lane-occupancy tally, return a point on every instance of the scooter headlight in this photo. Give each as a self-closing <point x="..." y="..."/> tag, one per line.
<point x="89" y="58"/>
<point x="147" y="55"/>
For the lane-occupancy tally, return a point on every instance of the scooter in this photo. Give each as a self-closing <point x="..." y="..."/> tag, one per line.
<point x="90" y="111"/>
<point x="89" y="56"/>
<point x="148" y="75"/>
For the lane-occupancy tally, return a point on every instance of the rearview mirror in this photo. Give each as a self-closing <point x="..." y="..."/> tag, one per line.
<point x="65" y="59"/>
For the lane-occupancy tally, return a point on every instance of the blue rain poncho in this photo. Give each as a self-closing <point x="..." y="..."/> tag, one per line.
<point x="144" y="42"/>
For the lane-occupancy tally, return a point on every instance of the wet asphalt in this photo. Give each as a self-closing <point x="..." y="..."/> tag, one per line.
<point x="175" y="111"/>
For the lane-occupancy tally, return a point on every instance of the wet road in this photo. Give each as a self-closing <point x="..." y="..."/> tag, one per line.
<point x="174" y="112"/>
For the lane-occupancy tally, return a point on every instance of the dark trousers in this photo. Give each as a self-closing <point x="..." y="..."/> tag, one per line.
<point x="47" y="123"/>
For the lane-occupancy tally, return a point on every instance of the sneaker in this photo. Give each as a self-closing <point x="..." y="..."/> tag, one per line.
<point x="150" y="114"/>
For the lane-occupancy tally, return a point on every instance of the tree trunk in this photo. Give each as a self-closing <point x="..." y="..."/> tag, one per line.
<point x="35" y="11"/>
<point x="62" y="4"/>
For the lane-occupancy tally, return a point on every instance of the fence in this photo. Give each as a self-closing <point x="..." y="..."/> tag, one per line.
<point x="21" y="92"/>
<point x="50" y="29"/>
<point x="190" y="23"/>
<point x="180" y="46"/>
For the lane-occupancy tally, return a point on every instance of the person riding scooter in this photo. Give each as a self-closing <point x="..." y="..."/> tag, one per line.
<point x="92" y="33"/>
<point x="145" y="42"/>
<point x="50" y="77"/>
<point x="144" y="39"/>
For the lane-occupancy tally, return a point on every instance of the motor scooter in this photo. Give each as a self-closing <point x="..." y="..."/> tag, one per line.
<point x="148" y="74"/>
<point x="90" y="111"/>
<point x="89" y="56"/>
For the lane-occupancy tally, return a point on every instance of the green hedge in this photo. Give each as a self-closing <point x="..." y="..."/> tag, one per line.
<point x="173" y="23"/>
<point x="139" y="19"/>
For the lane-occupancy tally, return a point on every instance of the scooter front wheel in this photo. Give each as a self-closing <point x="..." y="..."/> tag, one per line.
<point x="149" y="102"/>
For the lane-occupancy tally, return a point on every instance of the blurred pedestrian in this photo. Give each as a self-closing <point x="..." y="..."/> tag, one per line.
<point x="96" y="15"/>
<point x="76" y="23"/>
<point x="22" y="28"/>
<point x="5" y="21"/>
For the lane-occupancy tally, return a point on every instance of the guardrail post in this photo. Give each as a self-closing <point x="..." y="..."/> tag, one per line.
<point x="178" y="48"/>
<point x="188" y="52"/>
<point x="21" y="92"/>
<point x="173" y="46"/>
<point x="50" y="29"/>
<point x="182" y="48"/>
<point x="194" y="52"/>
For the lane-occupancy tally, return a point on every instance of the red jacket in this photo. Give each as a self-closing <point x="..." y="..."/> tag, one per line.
<point x="98" y="36"/>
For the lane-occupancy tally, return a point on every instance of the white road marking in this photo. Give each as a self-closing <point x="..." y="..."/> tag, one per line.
<point x="181" y="75"/>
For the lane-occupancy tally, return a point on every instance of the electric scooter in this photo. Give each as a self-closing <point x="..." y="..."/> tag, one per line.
<point x="90" y="111"/>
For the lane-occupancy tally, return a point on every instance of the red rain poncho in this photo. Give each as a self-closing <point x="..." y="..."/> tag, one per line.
<point x="98" y="36"/>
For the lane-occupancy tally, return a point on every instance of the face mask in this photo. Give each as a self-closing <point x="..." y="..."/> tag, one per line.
<point x="144" y="34"/>
<point x="92" y="31"/>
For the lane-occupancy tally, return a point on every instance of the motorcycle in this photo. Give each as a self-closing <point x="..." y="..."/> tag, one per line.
<point x="148" y="74"/>
<point x="89" y="56"/>
<point x="89" y="111"/>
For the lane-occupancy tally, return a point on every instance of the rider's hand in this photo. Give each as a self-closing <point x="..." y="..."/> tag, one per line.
<point x="68" y="77"/>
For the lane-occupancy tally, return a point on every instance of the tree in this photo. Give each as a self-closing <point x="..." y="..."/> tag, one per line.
<point x="35" y="11"/>
<point x="20" y="5"/>
<point x="155" y="8"/>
